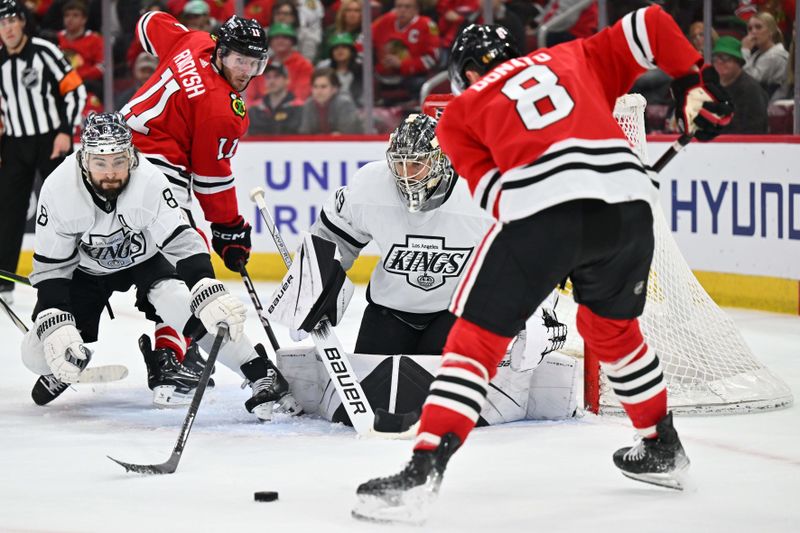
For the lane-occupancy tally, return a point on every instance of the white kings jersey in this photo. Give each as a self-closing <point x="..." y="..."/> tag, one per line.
<point x="422" y="255"/>
<point x="75" y="228"/>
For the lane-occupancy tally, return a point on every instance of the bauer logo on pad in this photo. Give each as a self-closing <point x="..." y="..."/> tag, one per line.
<point x="426" y="262"/>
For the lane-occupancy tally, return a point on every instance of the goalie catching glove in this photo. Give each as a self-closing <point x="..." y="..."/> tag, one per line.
<point x="63" y="346"/>
<point x="315" y="287"/>
<point x="214" y="305"/>
<point x="232" y="243"/>
<point x="702" y="107"/>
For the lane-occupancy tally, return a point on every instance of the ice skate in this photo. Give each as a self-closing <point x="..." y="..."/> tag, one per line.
<point x="270" y="389"/>
<point x="195" y="362"/>
<point x="406" y="496"/>
<point x="172" y="383"/>
<point x="659" y="461"/>
<point x="47" y="388"/>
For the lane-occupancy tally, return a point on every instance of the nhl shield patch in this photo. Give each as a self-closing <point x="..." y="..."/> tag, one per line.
<point x="426" y="262"/>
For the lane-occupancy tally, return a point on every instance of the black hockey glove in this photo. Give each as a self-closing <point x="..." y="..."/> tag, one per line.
<point x="232" y="243"/>
<point x="702" y="107"/>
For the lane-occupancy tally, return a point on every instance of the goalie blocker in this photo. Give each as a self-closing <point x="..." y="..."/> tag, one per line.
<point x="315" y="287"/>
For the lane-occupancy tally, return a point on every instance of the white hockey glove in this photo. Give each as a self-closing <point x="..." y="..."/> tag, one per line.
<point x="315" y="287"/>
<point x="214" y="305"/>
<point x="63" y="347"/>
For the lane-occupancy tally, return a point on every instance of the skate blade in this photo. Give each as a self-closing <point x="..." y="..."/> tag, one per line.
<point x="378" y="510"/>
<point x="264" y="411"/>
<point x="288" y="406"/>
<point x="408" y="507"/>
<point x="167" y="396"/>
<point x="678" y="479"/>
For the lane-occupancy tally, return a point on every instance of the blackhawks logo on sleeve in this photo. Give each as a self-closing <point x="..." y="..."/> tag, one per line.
<point x="237" y="104"/>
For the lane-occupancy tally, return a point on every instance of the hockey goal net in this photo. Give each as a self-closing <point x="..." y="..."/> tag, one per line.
<point x="707" y="365"/>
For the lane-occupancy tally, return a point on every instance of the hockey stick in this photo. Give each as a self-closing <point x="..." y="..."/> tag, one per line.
<point x="671" y="152"/>
<point x="13" y="316"/>
<point x="251" y="290"/>
<point x="172" y="463"/>
<point x="330" y="350"/>
<point x="16" y="278"/>
<point x="94" y="374"/>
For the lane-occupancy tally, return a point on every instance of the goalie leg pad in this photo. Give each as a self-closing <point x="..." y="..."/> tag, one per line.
<point x="301" y="367"/>
<point x="553" y="393"/>
<point x="315" y="286"/>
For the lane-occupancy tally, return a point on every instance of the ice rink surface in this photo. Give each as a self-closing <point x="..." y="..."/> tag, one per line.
<point x="527" y="476"/>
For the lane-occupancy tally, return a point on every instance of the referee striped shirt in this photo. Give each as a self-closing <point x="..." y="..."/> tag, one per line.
<point x="41" y="93"/>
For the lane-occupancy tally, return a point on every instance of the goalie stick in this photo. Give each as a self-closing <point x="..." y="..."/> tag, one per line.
<point x="172" y="463"/>
<point x="330" y="350"/>
<point x="251" y="290"/>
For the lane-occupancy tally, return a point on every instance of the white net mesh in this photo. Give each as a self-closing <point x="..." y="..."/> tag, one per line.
<point x="707" y="365"/>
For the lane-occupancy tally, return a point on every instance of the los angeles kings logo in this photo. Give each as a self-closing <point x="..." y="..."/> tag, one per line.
<point x="115" y="251"/>
<point x="426" y="262"/>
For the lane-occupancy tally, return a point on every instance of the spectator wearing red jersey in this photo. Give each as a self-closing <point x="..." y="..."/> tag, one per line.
<point x="407" y="49"/>
<point x="83" y="48"/>
<point x="135" y="47"/>
<point x="579" y="24"/>
<point x="282" y="41"/>
<point x="453" y="14"/>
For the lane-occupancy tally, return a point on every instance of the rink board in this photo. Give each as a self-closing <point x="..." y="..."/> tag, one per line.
<point x="733" y="207"/>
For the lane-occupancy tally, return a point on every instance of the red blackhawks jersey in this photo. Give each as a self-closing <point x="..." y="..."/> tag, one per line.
<point x="187" y="119"/>
<point x="417" y="44"/>
<point x="538" y="130"/>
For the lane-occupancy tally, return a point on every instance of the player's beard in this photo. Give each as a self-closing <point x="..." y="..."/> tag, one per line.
<point x="111" y="193"/>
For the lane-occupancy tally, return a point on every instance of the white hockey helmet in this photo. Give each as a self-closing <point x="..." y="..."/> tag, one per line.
<point x="107" y="133"/>
<point x="422" y="173"/>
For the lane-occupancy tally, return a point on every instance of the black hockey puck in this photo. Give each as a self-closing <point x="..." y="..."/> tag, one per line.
<point x="265" y="496"/>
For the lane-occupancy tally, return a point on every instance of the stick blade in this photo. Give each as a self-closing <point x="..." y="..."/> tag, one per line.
<point x="164" y="468"/>
<point x="103" y="374"/>
<point x="395" y="425"/>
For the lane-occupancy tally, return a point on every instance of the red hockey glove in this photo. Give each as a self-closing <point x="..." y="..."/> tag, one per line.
<point x="702" y="107"/>
<point x="232" y="243"/>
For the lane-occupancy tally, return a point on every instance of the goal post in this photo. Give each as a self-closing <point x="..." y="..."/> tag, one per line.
<point x="707" y="364"/>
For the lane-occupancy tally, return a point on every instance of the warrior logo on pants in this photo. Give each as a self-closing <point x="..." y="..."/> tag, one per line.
<point x="426" y="261"/>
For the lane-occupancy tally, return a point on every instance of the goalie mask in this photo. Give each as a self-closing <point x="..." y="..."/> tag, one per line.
<point x="422" y="173"/>
<point x="479" y="47"/>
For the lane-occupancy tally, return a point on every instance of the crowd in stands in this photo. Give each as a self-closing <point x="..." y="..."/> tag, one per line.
<point x="314" y="82"/>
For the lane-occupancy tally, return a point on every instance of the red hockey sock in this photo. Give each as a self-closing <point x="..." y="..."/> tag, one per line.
<point x="166" y="337"/>
<point x="458" y="393"/>
<point x="630" y="365"/>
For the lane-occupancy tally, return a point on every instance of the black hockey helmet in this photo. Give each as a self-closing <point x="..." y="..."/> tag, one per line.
<point x="245" y="36"/>
<point x="479" y="47"/>
<point x="423" y="175"/>
<point x="11" y="8"/>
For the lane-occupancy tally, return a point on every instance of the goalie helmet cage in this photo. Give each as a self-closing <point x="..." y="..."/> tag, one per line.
<point x="708" y="367"/>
